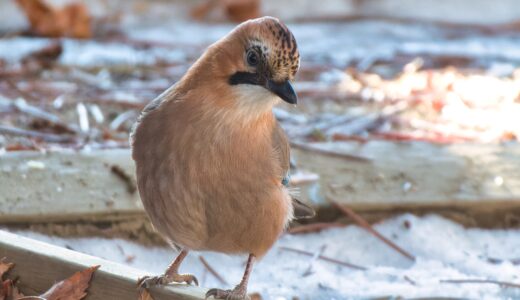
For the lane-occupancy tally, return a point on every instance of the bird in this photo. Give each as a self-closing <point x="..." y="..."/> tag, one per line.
<point x="212" y="162"/>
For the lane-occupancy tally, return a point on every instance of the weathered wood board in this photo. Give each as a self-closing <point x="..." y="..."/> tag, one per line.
<point x="477" y="185"/>
<point x="65" y="186"/>
<point x="40" y="265"/>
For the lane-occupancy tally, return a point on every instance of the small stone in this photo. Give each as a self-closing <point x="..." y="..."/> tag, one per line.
<point x="407" y="186"/>
<point x="34" y="164"/>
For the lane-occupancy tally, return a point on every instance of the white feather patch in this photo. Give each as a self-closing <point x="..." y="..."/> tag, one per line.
<point x="253" y="100"/>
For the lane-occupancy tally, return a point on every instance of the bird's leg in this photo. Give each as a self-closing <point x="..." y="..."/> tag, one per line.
<point x="240" y="291"/>
<point x="170" y="275"/>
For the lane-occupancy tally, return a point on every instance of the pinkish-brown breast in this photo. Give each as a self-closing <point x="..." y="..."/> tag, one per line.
<point x="207" y="180"/>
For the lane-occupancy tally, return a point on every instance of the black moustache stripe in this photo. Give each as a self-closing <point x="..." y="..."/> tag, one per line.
<point x="244" y="78"/>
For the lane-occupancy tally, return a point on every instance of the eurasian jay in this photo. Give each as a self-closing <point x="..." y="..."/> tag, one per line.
<point x="212" y="161"/>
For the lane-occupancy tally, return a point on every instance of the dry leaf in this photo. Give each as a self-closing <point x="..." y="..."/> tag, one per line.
<point x="72" y="288"/>
<point x="4" y="267"/>
<point x="144" y="295"/>
<point x="48" y="53"/>
<point x="200" y="11"/>
<point x="235" y="10"/>
<point x="255" y="296"/>
<point x="73" y="20"/>
<point x="7" y="288"/>
<point x="15" y="293"/>
<point x="4" y="289"/>
<point x="9" y="291"/>
<point x="242" y="10"/>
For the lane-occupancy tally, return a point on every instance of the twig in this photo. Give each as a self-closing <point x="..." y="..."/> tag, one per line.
<point x="438" y="139"/>
<point x="358" y="125"/>
<point x="314" y="227"/>
<point x="313" y="259"/>
<point x="48" y="137"/>
<point x="303" y="178"/>
<point x="323" y="125"/>
<point x="22" y="93"/>
<point x="410" y="280"/>
<point x="343" y="137"/>
<point x="84" y="124"/>
<point x="325" y="258"/>
<point x="212" y="271"/>
<point x="22" y="106"/>
<point x="501" y="283"/>
<point x="493" y="260"/>
<point x="127" y="179"/>
<point x="120" y="103"/>
<point x="331" y="153"/>
<point x="96" y="113"/>
<point x="365" y="225"/>
<point x="121" y="118"/>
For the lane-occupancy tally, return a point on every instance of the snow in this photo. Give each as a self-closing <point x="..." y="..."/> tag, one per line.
<point x="341" y="44"/>
<point x="363" y="41"/>
<point x="14" y="49"/>
<point x="90" y="53"/>
<point x="444" y="250"/>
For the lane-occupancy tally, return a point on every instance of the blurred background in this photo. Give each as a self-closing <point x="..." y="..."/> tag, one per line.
<point x="408" y="115"/>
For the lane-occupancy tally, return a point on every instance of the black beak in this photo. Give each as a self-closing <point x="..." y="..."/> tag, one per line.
<point x="283" y="90"/>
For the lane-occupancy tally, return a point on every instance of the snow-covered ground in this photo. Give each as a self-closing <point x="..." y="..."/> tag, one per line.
<point x="341" y="44"/>
<point x="444" y="251"/>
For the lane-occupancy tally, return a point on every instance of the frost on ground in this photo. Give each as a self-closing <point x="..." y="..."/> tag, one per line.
<point x="361" y="43"/>
<point x="444" y="250"/>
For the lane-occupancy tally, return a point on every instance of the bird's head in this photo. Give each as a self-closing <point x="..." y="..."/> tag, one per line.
<point x="269" y="59"/>
<point x="257" y="62"/>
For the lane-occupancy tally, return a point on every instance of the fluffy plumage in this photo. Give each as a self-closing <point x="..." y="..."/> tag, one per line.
<point x="209" y="153"/>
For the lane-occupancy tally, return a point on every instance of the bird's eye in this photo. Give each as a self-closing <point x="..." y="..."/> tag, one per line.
<point x="252" y="58"/>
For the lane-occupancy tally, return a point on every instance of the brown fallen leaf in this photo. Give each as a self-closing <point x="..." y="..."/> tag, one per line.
<point x="15" y="293"/>
<point x="72" y="288"/>
<point x="144" y="295"/>
<point x="9" y="291"/>
<point x="255" y="296"/>
<point x="242" y="10"/>
<point x="4" y="289"/>
<point x="73" y="20"/>
<point x="4" y="267"/>
<point x="235" y="10"/>
<point x="201" y="11"/>
<point x="46" y="56"/>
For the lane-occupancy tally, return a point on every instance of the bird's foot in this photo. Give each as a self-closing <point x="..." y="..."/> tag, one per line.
<point x="149" y="281"/>
<point x="235" y="294"/>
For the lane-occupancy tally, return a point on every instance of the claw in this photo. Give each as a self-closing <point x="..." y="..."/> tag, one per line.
<point x="227" y="294"/>
<point x="149" y="281"/>
<point x="209" y="293"/>
<point x="189" y="279"/>
<point x="212" y="292"/>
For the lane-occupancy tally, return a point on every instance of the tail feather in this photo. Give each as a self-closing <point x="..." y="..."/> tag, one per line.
<point x="302" y="210"/>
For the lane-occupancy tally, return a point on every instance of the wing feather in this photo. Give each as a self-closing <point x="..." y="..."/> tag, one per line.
<point x="281" y="146"/>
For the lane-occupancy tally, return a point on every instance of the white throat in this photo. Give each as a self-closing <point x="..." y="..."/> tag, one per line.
<point x="253" y="100"/>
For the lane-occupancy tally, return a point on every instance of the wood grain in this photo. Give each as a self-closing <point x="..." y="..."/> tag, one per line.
<point x="473" y="184"/>
<point x="40" y="265"/>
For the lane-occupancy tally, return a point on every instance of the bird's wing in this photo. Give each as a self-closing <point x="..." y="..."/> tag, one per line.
<point x="281" y="146"/>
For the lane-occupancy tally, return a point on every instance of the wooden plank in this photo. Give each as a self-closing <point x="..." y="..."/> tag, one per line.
<point x="67" y="186"/>
<point x="417" y="173"/>
<point x="474" y="184"/>
<point x="40" y="265"/>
